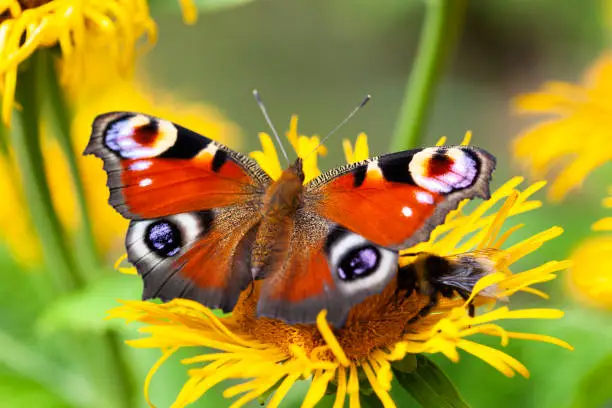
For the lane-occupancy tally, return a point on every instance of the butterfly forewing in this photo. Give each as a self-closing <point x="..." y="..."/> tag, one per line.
<point x="157" y="168"/>
<point x="396" y="200"/>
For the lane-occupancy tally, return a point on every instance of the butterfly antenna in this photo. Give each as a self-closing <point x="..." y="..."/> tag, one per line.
<point x="267" y="117"/>
<point x="339" y="125"/>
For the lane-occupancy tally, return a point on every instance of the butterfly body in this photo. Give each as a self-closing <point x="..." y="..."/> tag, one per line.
<point x="281" y="203"/>
<point x="206" y="221"/>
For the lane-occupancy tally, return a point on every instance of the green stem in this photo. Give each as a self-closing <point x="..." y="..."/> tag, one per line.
<point x="101" y="352"/>
<point x="26" y="144"/>
<point x="439" y="33"/>
<point x="59" y="113"/>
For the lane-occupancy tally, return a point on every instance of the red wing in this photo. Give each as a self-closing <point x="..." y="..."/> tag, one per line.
<point x="396" y="200"/>
<point x="329" y="268"/>
<point x="204" y="255"/>
<point x="156" y="168"/>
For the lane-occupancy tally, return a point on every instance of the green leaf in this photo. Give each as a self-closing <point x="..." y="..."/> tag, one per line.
<point x="18" y="391"/>
<point x="406" y="365"/>
<point x="429" y="386"/>
<point x="21" y="359"/>
<point x="85" y="309"/>
<point x="594" y="389"/>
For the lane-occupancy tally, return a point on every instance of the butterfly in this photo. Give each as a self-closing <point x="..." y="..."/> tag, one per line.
<point x="206" y="221"/>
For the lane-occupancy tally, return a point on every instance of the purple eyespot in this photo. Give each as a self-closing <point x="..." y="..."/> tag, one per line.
<point x="163" y="238"/>
<point x="358" y="263"/>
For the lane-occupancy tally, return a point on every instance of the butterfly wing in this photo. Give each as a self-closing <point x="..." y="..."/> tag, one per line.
<point x="194" y="206"/>
<point x="396" y="200"/>
<point x="157" y="168"/>
<point x="203" y="255"/>
<point x="355" y="218"/>
<point x="328" y="267"/>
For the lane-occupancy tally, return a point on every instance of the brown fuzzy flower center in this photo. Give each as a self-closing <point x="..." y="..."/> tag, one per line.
<point x="376" y="323"/>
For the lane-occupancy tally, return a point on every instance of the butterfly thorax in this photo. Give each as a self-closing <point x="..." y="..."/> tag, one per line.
<point x="282" y="200"/>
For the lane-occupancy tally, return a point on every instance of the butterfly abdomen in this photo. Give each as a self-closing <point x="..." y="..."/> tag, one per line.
<point x="272" y="242"/>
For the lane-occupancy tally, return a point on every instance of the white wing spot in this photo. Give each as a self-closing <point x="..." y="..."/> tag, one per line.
<point x="140" y="165"/>
<point x="424" y="198"/>
<point x="210" y="149"/>
<point x="145" y="182"/>
<point x="374" y="167"/>
<point x="407" y="211"/>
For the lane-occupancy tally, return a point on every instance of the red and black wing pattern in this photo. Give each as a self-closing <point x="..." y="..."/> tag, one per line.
<point x="157" y="168"/>
<point x="396" y="200"/>
<point x="194" y="206"/>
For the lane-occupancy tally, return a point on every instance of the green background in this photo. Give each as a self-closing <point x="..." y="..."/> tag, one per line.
<point x="319" y="58"/>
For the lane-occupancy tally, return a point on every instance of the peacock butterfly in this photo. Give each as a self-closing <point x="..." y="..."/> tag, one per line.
<point x="206" y="220"/>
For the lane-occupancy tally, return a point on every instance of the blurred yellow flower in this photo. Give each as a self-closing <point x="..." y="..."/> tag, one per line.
<point x="577" y="136"/>
<point x="102" y="90"/>
<point x="303" y="145"/>
<point x="591" y="274"/>
<point x="15" y="224"/>
<point x="115" y="26"/>
<point x="270" y="355"/>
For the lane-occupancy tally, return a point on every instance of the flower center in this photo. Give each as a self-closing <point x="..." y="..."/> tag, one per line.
<point x="376" y="323"/>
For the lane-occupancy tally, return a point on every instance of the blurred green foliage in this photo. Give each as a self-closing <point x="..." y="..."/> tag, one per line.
<point x="318" y="58"/>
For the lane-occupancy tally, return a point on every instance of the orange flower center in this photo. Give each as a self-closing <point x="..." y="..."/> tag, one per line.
<point x="378" y="322"/>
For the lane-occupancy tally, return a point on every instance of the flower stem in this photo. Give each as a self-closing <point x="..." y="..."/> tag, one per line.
<point x="101" y="351"/>
<point x="443" y="20"/>
<point x="59" y="113"/>
<point x="26" y="144"/>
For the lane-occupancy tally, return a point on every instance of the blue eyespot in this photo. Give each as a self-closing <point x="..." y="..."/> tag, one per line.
<point x="163" y="238"/>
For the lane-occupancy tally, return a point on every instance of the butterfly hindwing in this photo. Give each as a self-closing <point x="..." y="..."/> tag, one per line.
<point x="157" y="168"/>
<point x="192" y="255"/>
<point x="396" y="200"/>
<point x="328" y="267"/>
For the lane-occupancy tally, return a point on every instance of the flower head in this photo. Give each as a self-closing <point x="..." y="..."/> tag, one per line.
<point x="579" y="120"/>
<point x="75" y="26"/>
<point x="590" y="277"/>
<point x="269" y="355"/>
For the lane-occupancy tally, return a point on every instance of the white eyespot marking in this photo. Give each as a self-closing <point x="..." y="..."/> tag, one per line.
<point x="188" y="226"/>
<point x="140" y="165"/>
<point x="374" y="168"/>
<point x="443" y="170"/>
<point x="145" y="182"/>
<point x="209" y="151"/>
<point x="424" y="197"/>
<point x="370" y="267"/>
<point x="140" y="136"/>
<point x="464" y="168"/>
<point x="407" y="211"/>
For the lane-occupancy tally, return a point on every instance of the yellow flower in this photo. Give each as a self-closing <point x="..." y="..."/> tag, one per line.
<point x="590" y="276"/>
<point x="115" y="26"/>
<point x="269" y="355"/>
<point x="96" y="95"/>
<point x="303" y="146"/>
<point x="577" y="136"/>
